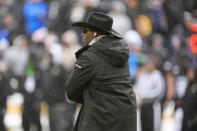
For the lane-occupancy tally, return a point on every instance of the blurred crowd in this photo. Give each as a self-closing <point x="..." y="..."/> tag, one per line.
<point x="37" y="53"/>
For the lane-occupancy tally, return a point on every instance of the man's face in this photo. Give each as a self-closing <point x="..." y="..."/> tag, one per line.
<point x="87" y="36"/>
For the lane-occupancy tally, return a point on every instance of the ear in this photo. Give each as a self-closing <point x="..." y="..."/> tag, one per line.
<point x="95" y="34"/>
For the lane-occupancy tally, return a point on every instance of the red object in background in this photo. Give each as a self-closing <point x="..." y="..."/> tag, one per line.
<point x="194" y="27"/>
<point x="193" y="43"/>
<point x="193" y="39"/>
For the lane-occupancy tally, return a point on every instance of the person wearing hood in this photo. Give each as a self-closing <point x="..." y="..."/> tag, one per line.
<point x="100" y="80"/>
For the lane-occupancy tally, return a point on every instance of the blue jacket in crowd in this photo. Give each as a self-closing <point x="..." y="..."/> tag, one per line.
<point x="35" y="14"/>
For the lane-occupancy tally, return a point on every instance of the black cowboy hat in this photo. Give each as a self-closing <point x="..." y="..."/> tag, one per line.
<point x="99" y="22"/>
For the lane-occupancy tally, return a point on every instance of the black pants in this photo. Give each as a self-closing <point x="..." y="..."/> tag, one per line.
<point x="61" y="116"/>
<point x="2" y="127"/>
<point x="189" y="124"/>
<point x="147" y="117"/>
<point x="31" y="116"/>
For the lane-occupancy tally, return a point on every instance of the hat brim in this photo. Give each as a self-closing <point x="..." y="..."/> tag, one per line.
<point x="93" y="27"/>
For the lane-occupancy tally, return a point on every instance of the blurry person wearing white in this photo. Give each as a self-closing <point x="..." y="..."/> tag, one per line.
<point x="70" y="44"/>
<point x="16" y="57"/>
<point x="149" y="89"/>
<point x="135" y="44"/>
<point x="122" y="22"/>
<point x="52" y="43"/>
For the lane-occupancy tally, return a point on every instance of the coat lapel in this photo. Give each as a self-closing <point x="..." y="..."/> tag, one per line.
<point x="80" y="51"/>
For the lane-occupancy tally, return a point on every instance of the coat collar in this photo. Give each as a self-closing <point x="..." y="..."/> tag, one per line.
<point x="96" y="39"/>
<point x="84" y="48"/>
<point x="80" y="51"/>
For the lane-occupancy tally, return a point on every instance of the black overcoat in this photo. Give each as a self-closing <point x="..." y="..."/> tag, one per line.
<point x="100" y="81"/>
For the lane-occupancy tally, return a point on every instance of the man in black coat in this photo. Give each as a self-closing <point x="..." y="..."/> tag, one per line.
<point x="100" y="79"/>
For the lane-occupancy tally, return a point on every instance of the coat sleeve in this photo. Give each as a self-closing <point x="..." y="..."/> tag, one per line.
<point x="79" y="79"/>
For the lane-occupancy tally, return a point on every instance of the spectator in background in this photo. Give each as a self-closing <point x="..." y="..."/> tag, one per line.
<point x="14" y="21"/>
<point x="5" y="90"/>
<point x="61" y="111"/>
<point x="16" y="57"/>
<point x="158" y="49"/>
<point x="11" y="27"/>
<point x="181" y="83"/>
<point x="32" y="89"/>
<point x="158" y="16"/>
<point x="16" y="60"/>
<point x="11" y="19"/>
<point x="70" y="44"/>
<point x="59" y="15"/>
<point x="149" y="87"/>
<point x="52" y="44"/>
<point x="171" y="67"/>
<point x="173" y="14"/>
<point x="143" y="25"/>
<point x="122" y="22"/>
<point x="54" y="75"/>
<point x="189" y="5"/>
<point x="189" y="103"/>
<point x="4" y="34"/>
<point x="35" y="14"/>
<point x="135" y="43"/>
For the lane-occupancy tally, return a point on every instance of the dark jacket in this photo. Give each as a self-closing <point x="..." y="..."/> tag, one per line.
<point x="101" y="82"/>
<point x="189" y="106"/>
<point x="53" y="80"/>
<point x="5" y="90"/>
